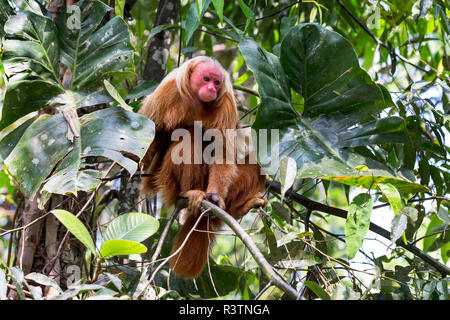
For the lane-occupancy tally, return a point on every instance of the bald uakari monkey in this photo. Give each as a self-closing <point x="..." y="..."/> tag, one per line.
<point x="199" y="91"/>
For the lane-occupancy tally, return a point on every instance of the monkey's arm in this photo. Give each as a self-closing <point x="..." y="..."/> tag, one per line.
<point x="222" y="171"/>
<point x="165" y="107"/>
<point x="220" y="178"/>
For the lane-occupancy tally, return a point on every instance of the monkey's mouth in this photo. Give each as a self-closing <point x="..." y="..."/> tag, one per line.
<point x="209" y="97"/>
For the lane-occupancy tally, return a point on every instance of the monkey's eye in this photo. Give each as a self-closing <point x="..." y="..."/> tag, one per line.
<point x="217" y="82"/>
<point x="206" y="79"/>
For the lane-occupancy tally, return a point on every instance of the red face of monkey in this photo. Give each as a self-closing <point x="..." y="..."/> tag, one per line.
<point x="206" y="80"/>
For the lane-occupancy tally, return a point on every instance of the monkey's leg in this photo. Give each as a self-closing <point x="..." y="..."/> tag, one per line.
<point x="194" y="240"/>
<point x="257" y="201"/>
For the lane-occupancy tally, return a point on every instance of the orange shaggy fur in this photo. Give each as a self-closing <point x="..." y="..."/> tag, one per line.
<point x="239" y="186"/>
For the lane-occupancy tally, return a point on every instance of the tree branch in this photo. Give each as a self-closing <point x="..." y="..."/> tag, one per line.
<point x="248" y="242"/>
<point x="245" y="89"/>
<point x="269" y="15"/>
<point x="257" y="255"/>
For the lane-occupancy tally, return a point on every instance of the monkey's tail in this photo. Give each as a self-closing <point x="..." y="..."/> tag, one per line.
<point x="189" y="262"/>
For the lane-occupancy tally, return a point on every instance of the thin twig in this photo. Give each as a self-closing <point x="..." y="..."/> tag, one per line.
<point x="251" y="246"/>
<point x="362" y="25"/>
<point x="180" y="42"/>
<point x="317" y="206"/>
<point x="51" y="262"/>
<point x="378" y="41"/>
<point x="430" y="235"/>
<point x="162" y="239"/>
<point x="152" y="277"/>
<point x="18" y="212"/>
<point x="413" y="200"/>
<point x="26" y="226"/>
<point x="245" y="89"/>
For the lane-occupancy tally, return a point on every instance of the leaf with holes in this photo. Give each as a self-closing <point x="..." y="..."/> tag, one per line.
<point x="106" y="133"/>
<point x="90" y="49"/>
<point x="357" y="223"/>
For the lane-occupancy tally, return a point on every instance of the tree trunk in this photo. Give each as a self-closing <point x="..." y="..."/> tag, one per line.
<point x="157" y="52"/>
<point x="158" y="48"/>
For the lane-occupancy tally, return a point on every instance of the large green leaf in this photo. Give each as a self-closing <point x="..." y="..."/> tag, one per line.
<point x="76" y="227"/>
<point x="118" y="247"/>
<point x="320" y="144"/>
<point x="30" y="60"/>
<point x="327" y="85"/>
<point x="106" y="133"/>
<point x="43" y="280"/>
<point x="35" y="46"/>
<point x="88" y="49"/>
<point x="133" y="226"/>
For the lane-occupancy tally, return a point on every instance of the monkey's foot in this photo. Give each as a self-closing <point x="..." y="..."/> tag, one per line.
<point x="259" y="201"/>
<point x="195" y="198"/>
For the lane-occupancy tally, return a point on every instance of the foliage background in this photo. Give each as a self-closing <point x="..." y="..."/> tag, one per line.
<point x="361" y="110"/>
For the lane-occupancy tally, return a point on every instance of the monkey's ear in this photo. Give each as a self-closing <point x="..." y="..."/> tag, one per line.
<point x="227" y="86"/>
<point x="183" y="79"/>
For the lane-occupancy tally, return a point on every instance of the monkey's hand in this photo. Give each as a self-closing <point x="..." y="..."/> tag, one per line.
<point x="195" y="198"/>
<point x="216" y="199"/>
